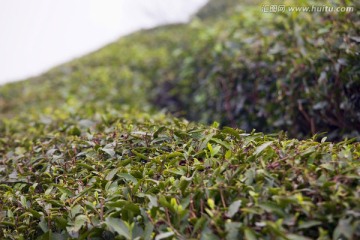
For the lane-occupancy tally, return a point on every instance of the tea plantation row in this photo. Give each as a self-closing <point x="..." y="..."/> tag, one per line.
<point x="136" y="176"/>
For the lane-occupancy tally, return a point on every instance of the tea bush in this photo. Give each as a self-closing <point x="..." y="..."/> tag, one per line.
<point x="294" y="71"/>
<point x="135" y="176"/>
<point x="85" y="154"/>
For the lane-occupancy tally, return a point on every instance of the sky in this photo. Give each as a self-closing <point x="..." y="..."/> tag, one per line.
<point x="36" y="35"/>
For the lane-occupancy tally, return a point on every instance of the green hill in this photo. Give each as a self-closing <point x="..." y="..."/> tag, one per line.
<point x="87" y="152"/>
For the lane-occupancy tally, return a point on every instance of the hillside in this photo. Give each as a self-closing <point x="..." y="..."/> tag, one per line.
<point x="89" y="150"/>
<point x="292" y="71"/>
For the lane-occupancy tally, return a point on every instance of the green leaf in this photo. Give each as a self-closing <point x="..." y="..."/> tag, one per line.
<point x="173" y="155"/>
<point x="75" y="131"/>
<point x="86" y="190"/>
<point x="137" y="231"/>
<point x="208" y="234"/>
<point x="111" y="174"/>
<point x="5" y="223"/>
<point x="132" y="207"/>
<point x="64" y="190"/>
<point x="250" y="234"/>
<point x="200" y="223"/>
<point x="149" y="228"/>
<point x="164" y="235"/>
<point x="221" y="142"/>
<point x="79" y="222"/>
<point x="109" y="151"/>
<point x="213" y="151"/>
<point x="61" y="223"/>
<point x="84" y="165"/>
<point x="140" y="155"/>
<point x="309" y="224"/>
<point x="262" y="147"/>
<point x="43" y="224"/>
<point x="228" y="154"/>
<point x="233" y="208"/>
<point x="211" y="203"/>
<point x="205" y="141"/>
<point x="36" y="214"/>
<point x="23" y="201"/>
<point x="231" y="131"/>
<point x="75" y="210"/>
<point x="177" y="171"/>
<point x="232" y="230"/>
<point x="128" y="177"/>
<point x="296" y="237"/>
<point x="118" y="226"/>
<point x="160" y="129"/>
<point x="343" y="229"/>
<point x="272" y="208"/>
<point x="162" y="200"/>
<point x="116" y="204"/>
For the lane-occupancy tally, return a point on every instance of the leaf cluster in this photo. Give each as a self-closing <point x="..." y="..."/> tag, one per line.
<point x="136" y="176"/>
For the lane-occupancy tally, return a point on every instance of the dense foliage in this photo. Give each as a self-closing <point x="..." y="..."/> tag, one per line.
<point x="83" y="154"/>
<point x="119" y="74"/>
<point x="132" y="175"/>
<point x="291" y="71"/>
<point x="295" y="71"/>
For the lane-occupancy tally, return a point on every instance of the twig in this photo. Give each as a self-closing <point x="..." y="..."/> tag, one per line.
<point x="170" y="225"/>
<point x="222" y="198"/>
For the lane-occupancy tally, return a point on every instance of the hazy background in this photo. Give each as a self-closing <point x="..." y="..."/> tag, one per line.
<point x="39" y="34"/>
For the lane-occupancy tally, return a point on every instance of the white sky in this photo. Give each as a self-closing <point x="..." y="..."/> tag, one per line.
<point x="36" y="35"/>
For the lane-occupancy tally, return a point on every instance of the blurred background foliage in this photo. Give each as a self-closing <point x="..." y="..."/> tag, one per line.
<point x="292" y="71"/>
<point x="297" y="72"/>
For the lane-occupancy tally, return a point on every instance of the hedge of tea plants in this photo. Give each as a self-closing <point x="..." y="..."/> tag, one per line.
<point x="137" y="176"/>
<point x="294" y="71"/>
<point x="85" y="152"/>
<point x="291" y="71"/>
